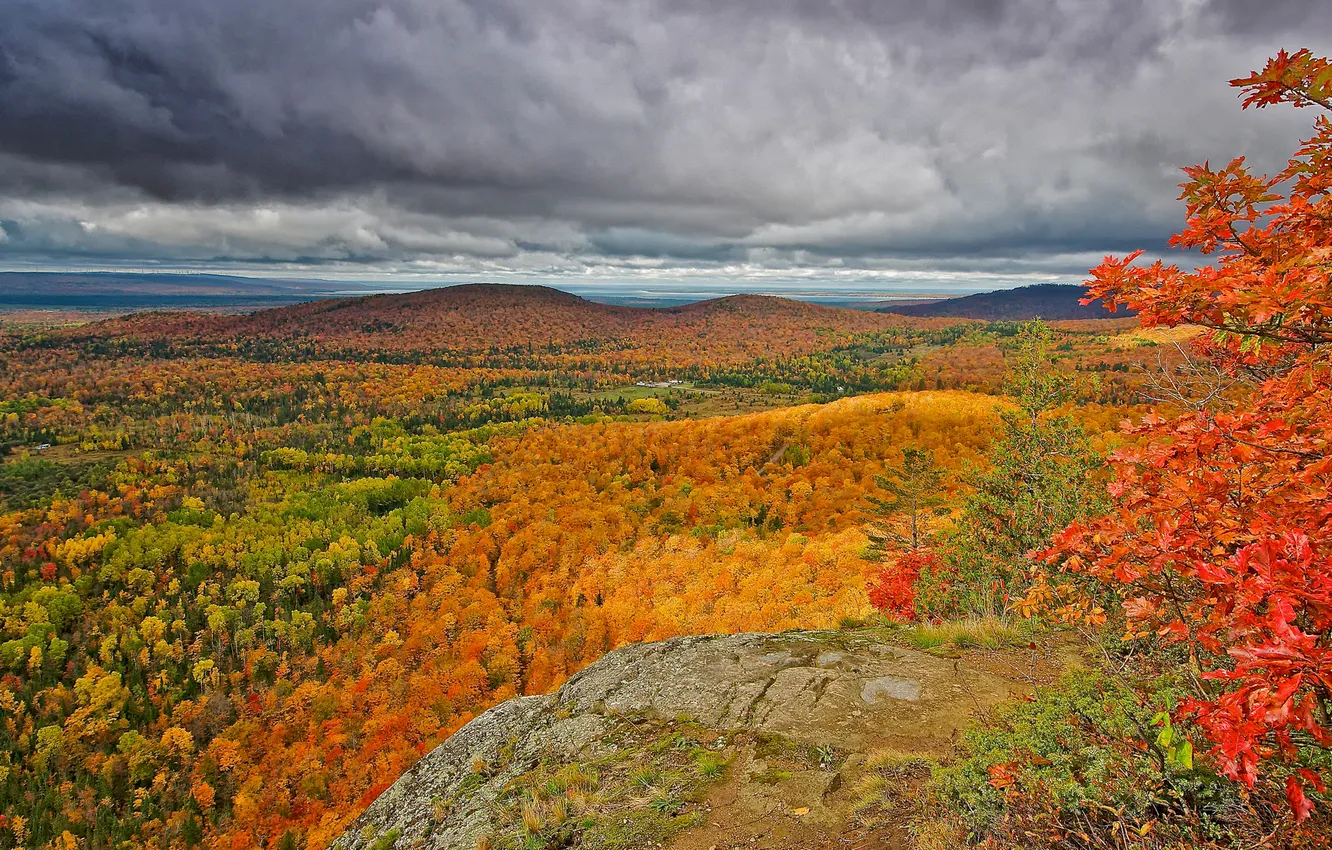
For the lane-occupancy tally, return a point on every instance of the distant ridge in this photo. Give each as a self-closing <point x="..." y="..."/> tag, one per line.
<point x="526" y="322"/>
<point x="1050" y="301"/>
<point x="158" y="290"/>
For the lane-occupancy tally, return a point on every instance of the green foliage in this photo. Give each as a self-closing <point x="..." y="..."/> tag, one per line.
<point x="1178" y="749"/>
<point x="434" y="456"/>
<point x="33" y="481"/>
<point x="1032" y="380"/>
<point x="27" y="404"/>
<point x="1042" y="475"/>
<point x="1081" y="753"/>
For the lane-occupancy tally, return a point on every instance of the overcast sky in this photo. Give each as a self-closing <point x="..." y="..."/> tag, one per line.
<point x="903" y="141"/>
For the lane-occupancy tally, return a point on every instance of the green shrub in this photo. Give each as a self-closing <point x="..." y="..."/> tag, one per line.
<point x="1087" y="755"/>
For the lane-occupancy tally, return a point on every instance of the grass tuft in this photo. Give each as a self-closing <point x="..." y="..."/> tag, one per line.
<point x="987" y="633"/>
<point x="891" y="759"/>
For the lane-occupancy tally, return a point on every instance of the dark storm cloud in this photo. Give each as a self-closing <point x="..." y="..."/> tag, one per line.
<point x="564" y="135"/>
<point x="1247" y="18"/>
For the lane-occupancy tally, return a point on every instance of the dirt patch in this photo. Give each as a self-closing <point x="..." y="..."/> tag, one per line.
<point x="764" y="807"/>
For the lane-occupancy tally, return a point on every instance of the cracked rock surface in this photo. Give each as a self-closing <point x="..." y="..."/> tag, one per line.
<point x="816" y="688"/>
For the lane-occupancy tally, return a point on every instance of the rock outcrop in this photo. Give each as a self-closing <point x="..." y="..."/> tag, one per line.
<point x="834" y="695"/>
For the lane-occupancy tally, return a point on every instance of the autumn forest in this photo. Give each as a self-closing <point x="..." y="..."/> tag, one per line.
<point x="254" y="566"/>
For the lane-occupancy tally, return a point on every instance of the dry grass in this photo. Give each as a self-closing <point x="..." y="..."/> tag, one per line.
<point x="927" y="834"/>
<point x="531" y="816"/>
<point x="987" y="633"/>
<point x="890" y="759"/>
<point x="894" y="796"/>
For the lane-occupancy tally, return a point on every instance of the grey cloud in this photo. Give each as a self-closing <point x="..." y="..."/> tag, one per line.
<point x="574" y="133"/>
<point x="1288" y="17"/>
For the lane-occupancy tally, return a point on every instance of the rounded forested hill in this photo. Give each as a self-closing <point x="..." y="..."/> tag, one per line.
<point x="1049" y="301"/>
<point x="490" y="318"/>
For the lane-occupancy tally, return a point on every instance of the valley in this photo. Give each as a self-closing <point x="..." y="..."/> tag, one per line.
<point x="251" y="585"/>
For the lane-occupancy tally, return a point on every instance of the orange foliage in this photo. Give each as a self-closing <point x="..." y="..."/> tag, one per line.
<point x="586" y="549"/>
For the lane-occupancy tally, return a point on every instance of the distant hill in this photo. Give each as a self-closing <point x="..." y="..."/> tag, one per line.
<point x="1050" y="301"/>
<point x="521" y="321"/>
<point x="159" y="290"/>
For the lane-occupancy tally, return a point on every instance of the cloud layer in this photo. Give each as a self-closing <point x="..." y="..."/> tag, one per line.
<point x="633" y="137"/>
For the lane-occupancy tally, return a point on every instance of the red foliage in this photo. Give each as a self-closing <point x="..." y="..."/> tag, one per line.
<point x="1220" y="539"/>
<point x="892" y="590"/>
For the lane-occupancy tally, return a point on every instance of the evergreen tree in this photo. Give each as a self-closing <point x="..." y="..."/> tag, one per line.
<point x="914" y="490"/>
<point x="1042" y="475"/>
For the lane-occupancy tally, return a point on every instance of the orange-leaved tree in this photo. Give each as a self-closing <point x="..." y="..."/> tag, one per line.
<point x="1219" y="539"/>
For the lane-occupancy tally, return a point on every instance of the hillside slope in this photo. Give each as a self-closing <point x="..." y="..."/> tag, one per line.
<point x="1049" y="301"/>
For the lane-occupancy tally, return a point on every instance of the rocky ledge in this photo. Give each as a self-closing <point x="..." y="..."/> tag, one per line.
<point x="639" y="747"/>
